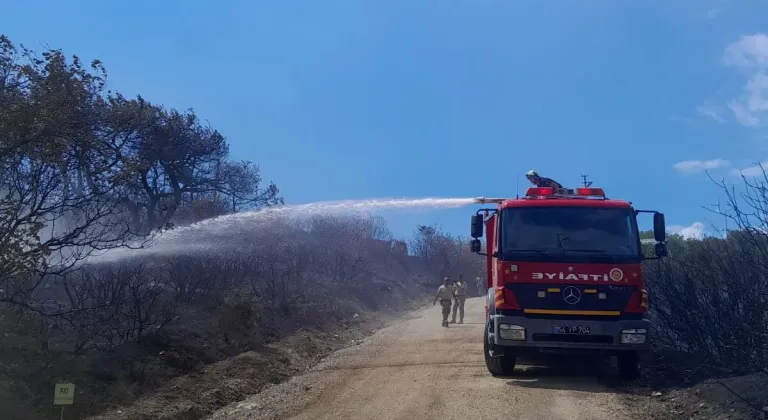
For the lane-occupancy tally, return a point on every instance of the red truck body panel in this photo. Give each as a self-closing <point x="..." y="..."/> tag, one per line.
<point x="501" y="273"/>
<point x="564" y="280"/>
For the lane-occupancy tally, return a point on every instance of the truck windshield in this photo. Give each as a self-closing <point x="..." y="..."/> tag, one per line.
<point x="569" y="234"/>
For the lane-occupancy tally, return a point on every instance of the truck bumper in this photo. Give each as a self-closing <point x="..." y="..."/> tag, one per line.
<point x="540" y="336"/>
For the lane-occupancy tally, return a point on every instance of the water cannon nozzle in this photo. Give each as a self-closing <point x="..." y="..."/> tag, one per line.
<point x="484" y="200"/>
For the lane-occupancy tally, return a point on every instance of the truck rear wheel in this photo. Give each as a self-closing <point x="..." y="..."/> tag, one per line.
<point x="629" y="370"/>
<point x="503" y="365"/>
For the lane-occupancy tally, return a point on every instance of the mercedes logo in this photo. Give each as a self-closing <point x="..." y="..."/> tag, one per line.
<point x="571" y="295"/>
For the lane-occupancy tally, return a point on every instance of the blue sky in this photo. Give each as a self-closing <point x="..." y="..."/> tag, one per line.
<point x="412" y="98"/>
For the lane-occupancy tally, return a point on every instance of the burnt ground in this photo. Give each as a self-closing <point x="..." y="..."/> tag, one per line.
<point x="685" y="386"/>
<point x="395" y="367"/>
<point x="199" y="394"/>
<point x="676" y="387"/>
<point x="207" y="359"/>
<point x="736" y="398"/>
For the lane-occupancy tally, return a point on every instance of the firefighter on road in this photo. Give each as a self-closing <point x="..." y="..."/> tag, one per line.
<point x="481" y="289"/>
<point x="459" y="297"/>
<point x="540" y="181"/>
<point x="445" y="295"/>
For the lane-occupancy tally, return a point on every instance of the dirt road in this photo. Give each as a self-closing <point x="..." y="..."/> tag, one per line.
<point x="417" y="369"/>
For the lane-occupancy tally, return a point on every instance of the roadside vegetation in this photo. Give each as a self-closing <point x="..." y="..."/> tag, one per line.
<point x="709" y="302"/>
<point x="710" y="296"/>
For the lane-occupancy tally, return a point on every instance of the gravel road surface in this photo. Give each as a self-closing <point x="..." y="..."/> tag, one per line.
<point x="417" y="369"/>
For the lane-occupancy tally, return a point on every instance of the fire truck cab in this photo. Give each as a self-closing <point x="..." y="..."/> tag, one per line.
<point x="564" y="272"/>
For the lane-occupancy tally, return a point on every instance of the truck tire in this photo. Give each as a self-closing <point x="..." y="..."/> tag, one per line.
<point x="497" y="365"/>
<point x="627" y="362"/>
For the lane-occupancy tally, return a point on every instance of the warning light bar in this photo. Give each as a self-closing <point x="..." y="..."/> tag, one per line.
<point x="592" y="192"/>
<point x="539" y="191"/>
<point x="564" y="192"/>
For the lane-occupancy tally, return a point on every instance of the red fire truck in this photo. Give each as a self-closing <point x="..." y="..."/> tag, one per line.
<point x="564" y="275"/>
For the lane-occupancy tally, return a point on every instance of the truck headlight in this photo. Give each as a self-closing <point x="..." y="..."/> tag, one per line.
<point x="633" y="336"/>
<point x="512" y="332"/>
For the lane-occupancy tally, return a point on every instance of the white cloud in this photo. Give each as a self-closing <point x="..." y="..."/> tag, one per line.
<point x="754" y="170"/>
<point x="693" y="166"/>
<point x="710" y="112"/>
<point x="751" y="51"/>
<point x="694" y="231"/>
<point x="750" y="54"/>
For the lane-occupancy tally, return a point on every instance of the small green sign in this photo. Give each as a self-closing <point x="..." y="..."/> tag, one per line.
<point x="64" y="394"/>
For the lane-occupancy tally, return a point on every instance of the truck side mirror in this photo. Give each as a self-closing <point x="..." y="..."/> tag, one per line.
<point x="660" y="249"/>
<point x="475" y="246"/>
<point x="659" y="227"/>
<point x="477" y="226"/>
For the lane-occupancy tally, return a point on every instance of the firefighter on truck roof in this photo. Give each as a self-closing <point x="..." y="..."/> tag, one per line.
<point x="459" y="298"/>
<point x="445" y="296"/>
<point x="540" y="181"/>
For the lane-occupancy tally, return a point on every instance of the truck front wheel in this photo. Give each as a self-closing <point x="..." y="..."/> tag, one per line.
<point x="498" y="365"/>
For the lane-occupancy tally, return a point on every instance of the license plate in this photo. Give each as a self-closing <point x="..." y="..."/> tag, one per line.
<point x="573" y="329"/>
